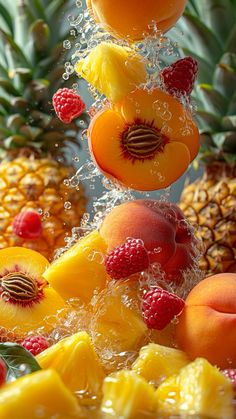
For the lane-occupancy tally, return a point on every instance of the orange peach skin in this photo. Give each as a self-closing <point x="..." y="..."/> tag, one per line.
<point x="207" y="325"/>
<point x="168" y="116"/>
<point x="132" y="19"/>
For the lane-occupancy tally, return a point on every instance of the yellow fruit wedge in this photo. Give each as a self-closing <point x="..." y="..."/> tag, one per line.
<point x="127" y="396"/>
<point x="79" y="272"/>
<point x="199" y="389"/>
<point x="116" y="325"/>
<point x="156" y="362"/>
<point x="113" y="70"/>
<point x="77" y="363"/>
<point x="41" y="394"/>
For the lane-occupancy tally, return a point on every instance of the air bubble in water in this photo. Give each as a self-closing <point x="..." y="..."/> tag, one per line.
<point x="67" y="44"/>
<point x="67" y="205"/>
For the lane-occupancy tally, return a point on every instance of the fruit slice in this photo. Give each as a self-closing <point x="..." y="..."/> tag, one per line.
<point x="79" y="272"/>
<point x="41" y="394"/>
<point x="77" y="363"/>
<point x="126" y="395"/>
<point x="200" y="389"/>
<point x="113" y="70"/>
<point x="26" y="302"/>
<point x="156" y="362"/>
<point x="117" y="323"/>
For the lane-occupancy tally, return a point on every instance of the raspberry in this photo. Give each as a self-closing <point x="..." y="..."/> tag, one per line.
<point x="27" y="225"/>
<point x="179" y="77"/>
<point x="127" y="259"/>
<point x="231" y="374"/>
<point x="67" y="104"/>
<point x="3" y="372"/>
<point x="35" y="344"/>
<point x="159" y="307"/>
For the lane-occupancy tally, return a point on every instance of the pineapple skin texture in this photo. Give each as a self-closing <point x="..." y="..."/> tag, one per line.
<point x="127" y="395"/>
<point x="78" y="365"/>
<point x="156" y="362"/>
<point x="79" y="271"/>
<point x="210" y="204"/>
<point x="42" y="391"/>
<point x="28" y="183"/>
<point x="199" y="389"/>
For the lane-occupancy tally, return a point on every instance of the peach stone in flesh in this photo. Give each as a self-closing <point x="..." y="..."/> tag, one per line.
<point x="145" y="142"/>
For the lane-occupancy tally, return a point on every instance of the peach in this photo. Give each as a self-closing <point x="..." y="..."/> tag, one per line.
<point x="161" y="226"/>
<point x="207" y="325"/>
<point x="145" y="142"/>
<point x="134" y="19"/>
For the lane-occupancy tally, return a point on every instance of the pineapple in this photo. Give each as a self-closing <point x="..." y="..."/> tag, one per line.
<point x="208" y="34"/>
<point x="34" y="162"/>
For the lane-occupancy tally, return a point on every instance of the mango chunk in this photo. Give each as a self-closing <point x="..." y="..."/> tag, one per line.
<point x="41" y="394"/>
<point x="79" y="272"/>
<point x="78" y="365"/>
<point x="199" y="389"/>
<point x="126" y="395"/>
<point x="156" y="362"/>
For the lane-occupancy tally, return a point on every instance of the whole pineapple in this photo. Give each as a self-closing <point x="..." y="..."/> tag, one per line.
<point x="209" y="34"/>
<point x="32" y="139"/>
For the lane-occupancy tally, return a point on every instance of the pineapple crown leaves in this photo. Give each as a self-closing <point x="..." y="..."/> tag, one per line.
<point x="207" y="31"/>
<point x="31" y="68"/>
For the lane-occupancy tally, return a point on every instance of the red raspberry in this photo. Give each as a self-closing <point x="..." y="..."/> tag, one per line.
<point x="127" y="259"/>
<point x="159" y="307"/>
<point x="3" y="372"/>
<point x="231" y="374"/>
<point x="27" y="225"/>
<point x="67" y="104"/>
<point x="35" y="344"/>
<point x="179" y="77"/>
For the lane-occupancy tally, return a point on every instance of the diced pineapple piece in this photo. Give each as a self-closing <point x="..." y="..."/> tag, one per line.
<point x="116" y="324"/>
<point x="41" y="394"/>
<point x="113" y="70"/>
<point x="156" y="362"/>
<point x="79" y="271"/>
<point x="77" y="363"/>
<point x="127" y="395"/>
<point x="199" y="389"/>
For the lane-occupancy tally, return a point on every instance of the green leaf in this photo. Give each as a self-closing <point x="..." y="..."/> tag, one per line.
<point x="23" y="20"/>
<point x="222" y="138"/>
<point x="40" y="34"/>
<point x="200" y="39"/>
<point x="38" y="9"/>
<point x="229" y="122"/>
<point x="54" y="7"/>
<point x="213" y="101"/>
<point x="20" y="57"/>
<point x="218" y="15"/>
<point x="18" y="360"/>
<point x="8" y="87"/>
<point x="7" y="18"/>
<point x="207" y="121"/>
<point x="224" y="79"/>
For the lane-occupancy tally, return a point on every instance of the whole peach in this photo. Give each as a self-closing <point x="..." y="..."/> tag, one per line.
<point x="133" y="19"/>
<point x="160" y="225"/>
<point x="207" y="325"/>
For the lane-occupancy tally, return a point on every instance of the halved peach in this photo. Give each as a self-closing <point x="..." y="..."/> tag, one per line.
<point x="26" y="302"/>
<point x="145" y="142"/>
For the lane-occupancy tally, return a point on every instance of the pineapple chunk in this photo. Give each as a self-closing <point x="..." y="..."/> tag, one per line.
<point x="116" y="325"/>
<point x="156" y="362"/>
<point x="77" y="363"/>
<point x="113" y="70"/>
<point x="41" y="394"/>
<point x="79" y="271"/>
<point x="199" y="389"/>
<point x="127" y="395"/>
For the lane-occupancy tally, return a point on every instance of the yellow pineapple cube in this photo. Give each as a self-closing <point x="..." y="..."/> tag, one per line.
<point x="127" y="395"/>
<point x="156" y="362"/>
<point x="77" y="363"/>
<point x="80" y="271"/>
<point x="113" y="70"/>
<point x="41" y="394"/>
<point x="198" y="389"/>
<point x="116" y="324"/>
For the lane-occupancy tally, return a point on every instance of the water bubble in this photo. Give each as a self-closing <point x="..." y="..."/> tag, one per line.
<point x="67" y="205"/>
<point x="67" y="44"/>
<point x="66" y="182"/>
<point x="65" y="76"/>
